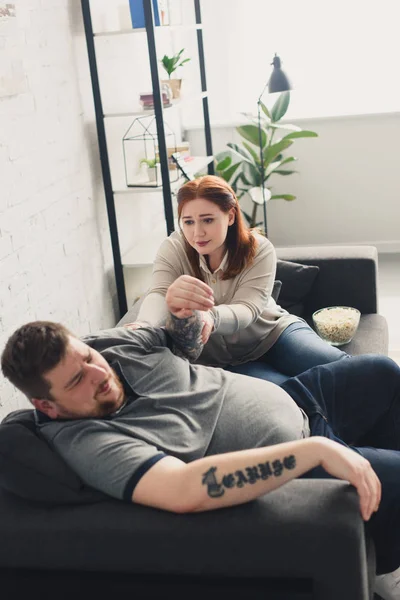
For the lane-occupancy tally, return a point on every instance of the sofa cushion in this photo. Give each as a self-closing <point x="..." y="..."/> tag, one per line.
<point x="30" y="469"/>
<point x="297" y="281"/>
<point x="276" y="290"/>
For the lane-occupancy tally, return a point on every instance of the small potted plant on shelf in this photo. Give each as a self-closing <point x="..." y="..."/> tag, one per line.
<point x="153" y="167"/>
<point x="171" y="64"/>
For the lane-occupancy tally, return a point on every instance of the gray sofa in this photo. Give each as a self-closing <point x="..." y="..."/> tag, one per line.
<point x="304" y="540"/>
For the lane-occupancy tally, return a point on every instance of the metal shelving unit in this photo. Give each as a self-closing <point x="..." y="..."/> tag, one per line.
<point x="167" y="187"/>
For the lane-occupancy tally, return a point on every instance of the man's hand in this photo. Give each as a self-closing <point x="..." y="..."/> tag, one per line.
<point x="136" y="325"/>
<point x="208" y="326"/>
<point x="187" y="294"/>
<point x="347" y="464"/>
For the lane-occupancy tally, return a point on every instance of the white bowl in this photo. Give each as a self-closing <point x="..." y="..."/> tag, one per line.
<point x="337" y="325"/>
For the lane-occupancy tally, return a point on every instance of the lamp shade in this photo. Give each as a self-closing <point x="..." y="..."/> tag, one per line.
<point x="278" y="82"/>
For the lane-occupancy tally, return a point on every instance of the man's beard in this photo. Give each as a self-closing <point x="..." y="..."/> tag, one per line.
<point x="107" y="407"/>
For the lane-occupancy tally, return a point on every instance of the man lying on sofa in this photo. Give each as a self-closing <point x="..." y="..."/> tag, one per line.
<point x="136" y="420"/>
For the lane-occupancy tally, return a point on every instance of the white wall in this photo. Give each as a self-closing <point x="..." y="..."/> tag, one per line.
<point x="340" y="57"/>
<point x="55" y="260"/>
<point x="347" y="188"/>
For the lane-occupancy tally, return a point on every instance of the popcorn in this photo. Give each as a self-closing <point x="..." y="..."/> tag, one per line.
<point x="337" y="324"/>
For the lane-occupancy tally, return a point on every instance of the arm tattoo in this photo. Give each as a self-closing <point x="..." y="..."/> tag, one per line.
<point x="248" y="475"/>
<point x="186" y="335"/>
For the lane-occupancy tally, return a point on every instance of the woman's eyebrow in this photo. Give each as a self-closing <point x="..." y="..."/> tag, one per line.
<point x="205" y="215"/>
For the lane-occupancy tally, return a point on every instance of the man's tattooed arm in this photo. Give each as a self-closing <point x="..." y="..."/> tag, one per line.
<point x="186" y="335"/>
<point x="248" y="475"/>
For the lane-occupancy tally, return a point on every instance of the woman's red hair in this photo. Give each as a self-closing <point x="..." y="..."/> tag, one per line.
<point x="240" y="242"/>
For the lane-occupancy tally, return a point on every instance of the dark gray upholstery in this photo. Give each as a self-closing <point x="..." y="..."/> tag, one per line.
<point x="347" y="276"/>
<point x="271" y="537"/>
<point x="305" y="540"/>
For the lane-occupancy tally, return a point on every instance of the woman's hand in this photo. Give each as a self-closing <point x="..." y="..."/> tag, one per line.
<point x="347" y="464"/>
<point x="187" y="294"/>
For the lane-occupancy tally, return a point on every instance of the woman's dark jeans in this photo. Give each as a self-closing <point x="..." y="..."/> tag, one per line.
<point x="357" y="402"/>
<point x="297" y="349"/>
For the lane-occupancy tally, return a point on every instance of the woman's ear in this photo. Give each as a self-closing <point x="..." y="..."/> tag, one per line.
<point x="231" y="216"/>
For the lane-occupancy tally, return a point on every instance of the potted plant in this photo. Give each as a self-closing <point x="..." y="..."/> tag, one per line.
<point x="153" y="167"/>
<point x="171" y="64"/>
<point x="241" y="165"/>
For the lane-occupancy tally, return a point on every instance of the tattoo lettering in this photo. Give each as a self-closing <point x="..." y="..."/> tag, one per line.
<point x="186" y="334"/>
<point x="215" y="489"/>
<point x="250" y="475"/>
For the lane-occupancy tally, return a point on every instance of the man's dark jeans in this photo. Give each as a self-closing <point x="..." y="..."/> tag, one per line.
<point x="357" y="402"/>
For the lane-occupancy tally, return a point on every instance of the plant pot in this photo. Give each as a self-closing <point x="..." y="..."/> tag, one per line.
<point x="154" y="173"/>
<point x="175" y="86"/>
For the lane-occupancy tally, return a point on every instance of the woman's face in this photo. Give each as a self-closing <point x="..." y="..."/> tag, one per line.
<point x="205" y="226"/>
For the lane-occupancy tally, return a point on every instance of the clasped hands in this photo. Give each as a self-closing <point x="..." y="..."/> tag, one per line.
<point x="185" y="295"/>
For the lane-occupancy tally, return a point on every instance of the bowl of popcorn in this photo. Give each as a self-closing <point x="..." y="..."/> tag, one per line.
<point x="336" y="325"/>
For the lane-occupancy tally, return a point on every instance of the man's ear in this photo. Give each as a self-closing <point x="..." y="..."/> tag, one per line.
<point x="48" y="407"/>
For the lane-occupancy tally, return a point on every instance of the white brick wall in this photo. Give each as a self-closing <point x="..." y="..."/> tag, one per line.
<point x="55" y="256"/>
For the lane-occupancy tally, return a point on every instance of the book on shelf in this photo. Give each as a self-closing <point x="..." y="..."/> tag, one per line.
<point x="137" y="13"/>
<point x="147" y="100"/>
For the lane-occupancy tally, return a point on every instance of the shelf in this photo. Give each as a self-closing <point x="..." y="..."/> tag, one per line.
<point x="144" y="253"/>
<point x="193" y="27"/>
<point x="194" y="166"/>
<point x="149" y="113"/>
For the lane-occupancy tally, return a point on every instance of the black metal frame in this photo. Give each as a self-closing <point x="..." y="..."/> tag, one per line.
<point x="104" y="160"/>
<point x="159" y="115"/>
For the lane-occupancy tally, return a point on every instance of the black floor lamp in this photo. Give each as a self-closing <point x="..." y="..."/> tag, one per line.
<point x="278" y="82"/>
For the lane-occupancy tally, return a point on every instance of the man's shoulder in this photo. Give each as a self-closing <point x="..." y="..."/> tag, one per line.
<point x="144" y="338"/>
<point x="108" y="337"/>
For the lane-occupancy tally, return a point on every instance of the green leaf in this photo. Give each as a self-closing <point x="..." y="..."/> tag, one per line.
<point x="227" y="174"/>
<point x="184" y="61"/>
<point x="283" y="197"/>
<point x="252" y="152"/>
<point x="284" y="172"/>
<point x="272" y="166"/>
<point x="288" y="159"/>
<point x="265" y="110"/>
<point x="272" y="151"/>
<point x="246" y="215"/>
<point x="242" y="152"/>
<point x="251" y="133"/>
<point x="285" y="126"/>
<point x="245" y="180"/>
<point x="224" y="164"/>
<point x="280" y="107"/>
<point x="300" y="134"/>
<point x="234" y="183"/>
<point x="252" y="174"/>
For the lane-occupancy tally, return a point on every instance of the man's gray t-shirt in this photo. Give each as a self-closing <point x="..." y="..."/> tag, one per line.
<point x="172" y="408"/>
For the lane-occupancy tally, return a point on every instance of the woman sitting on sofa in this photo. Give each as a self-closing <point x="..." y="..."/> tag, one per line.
<point x="228" y="271"/>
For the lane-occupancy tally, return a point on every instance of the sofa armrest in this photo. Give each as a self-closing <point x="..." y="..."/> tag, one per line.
<point x="307" y="529"/>
<point x="347" y="276"/>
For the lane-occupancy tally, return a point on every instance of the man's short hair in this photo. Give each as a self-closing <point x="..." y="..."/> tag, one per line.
<point x="31" y="351"/>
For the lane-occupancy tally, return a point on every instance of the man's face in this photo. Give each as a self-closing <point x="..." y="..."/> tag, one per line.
<point x="82" y="385"/>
